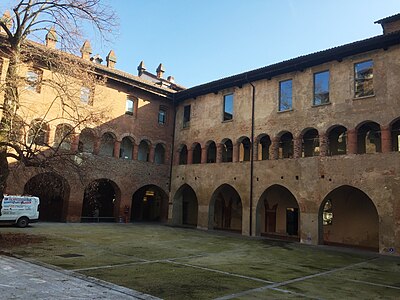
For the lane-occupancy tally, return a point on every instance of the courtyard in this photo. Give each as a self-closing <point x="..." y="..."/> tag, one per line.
<point x="183" y="263"/>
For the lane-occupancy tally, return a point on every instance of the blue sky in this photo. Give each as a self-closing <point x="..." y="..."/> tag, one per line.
<point x="204" y="40"/>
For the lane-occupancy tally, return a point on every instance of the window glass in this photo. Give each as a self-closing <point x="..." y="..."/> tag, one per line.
<point x="33" y="80"/>
<point x="321" y="88"/>
<point x="285" y="95"/>
<point x="129" y="106"/>
<point x="186" y="116"/>
<point x="364" y="75"/>
<point x="162" y="116"/>
<point x="85" y="94"/>
<point x="228" y="107"/>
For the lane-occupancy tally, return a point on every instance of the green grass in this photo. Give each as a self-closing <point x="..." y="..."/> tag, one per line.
<point x="173" y="263"/>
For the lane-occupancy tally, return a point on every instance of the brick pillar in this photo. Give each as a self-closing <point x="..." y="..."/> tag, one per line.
<point x="220" y="148"/>
<point x="134" y="148"/>
<point x="235" y="152"/>
<point x="297" y="147"/>
<point x="117" y="147"/>
<point x="386" y="139"/>
<point x="323" y="144"/>
<point x="74" y="143"/>
<point x="351" y="141"/>
<point x="152" y="152"/>
<point x="176" y="158"/>
<point x="190" y="157"/>
<point x="97" y="142"/>
<point x="274" y="148"/>
<point x="204" y="155"/>
<point x="135" y="152"/>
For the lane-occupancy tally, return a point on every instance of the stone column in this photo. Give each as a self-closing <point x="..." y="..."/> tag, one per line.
<point x="152" y="153"/>
<point x="351" y="141"/>
<point x="117" y="148"/>
<point x="135" y="152"/>
<point x="323" y="144"/>
<point x="235" y="152"/>
<point x="386" y="139"/>
<point x="220" y="148"/>
<point x="204" y="155"/>
<point x="297" y="147"/>
<point x="190" y="157"/>
<point x="96" y="148"/>
<point x="274" y="148"/>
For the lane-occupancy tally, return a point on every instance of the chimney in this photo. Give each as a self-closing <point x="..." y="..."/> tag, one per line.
<point x="171" y="79"/>
<point x="160" y="71"/>
<point x="141" y="68"/>
<point x="86" y="50"/>
<point x="111" y="59"/>
<point x="96" y="59"/>
<point x="6" y="19"/>
<point x="390" y="24"/>
<point x="51" y="38"/>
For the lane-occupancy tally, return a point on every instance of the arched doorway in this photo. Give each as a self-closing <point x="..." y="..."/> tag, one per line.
<point x="100" y="202"/>
<point x="185" y="206"/>
<point x="278" y="213"/>
<point x="149" y="204"/>
<point x="53" y="191"/>
<point x="225" y="212"/>
<point x="348" y="217"/>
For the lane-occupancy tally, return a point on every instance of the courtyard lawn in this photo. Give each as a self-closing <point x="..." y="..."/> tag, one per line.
<point x="178" y="263"/>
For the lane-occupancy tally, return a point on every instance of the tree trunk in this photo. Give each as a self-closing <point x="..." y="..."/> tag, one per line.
<point x="4" y="172"/>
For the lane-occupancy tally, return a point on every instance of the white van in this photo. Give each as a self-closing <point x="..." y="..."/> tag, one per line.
<point x="20" y="210"/>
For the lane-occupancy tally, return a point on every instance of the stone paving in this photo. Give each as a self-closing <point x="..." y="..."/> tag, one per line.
<point x="20" y="279"/>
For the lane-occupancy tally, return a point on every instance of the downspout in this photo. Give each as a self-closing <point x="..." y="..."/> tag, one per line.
<point x="172" y="152"/>
<point x="251" y="153"/>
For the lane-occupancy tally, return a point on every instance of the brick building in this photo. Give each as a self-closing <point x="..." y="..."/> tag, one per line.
<point x="306" y="149"/>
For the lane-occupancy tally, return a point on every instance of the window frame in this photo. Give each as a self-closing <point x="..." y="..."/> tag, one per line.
<point x="127" y="111"/>
<point x="280" y="96"/>
<point x="186" y="116"/>
<point x="314" y="86"/>
<point x="164" y="119"/>
<point x="224" y="119"/>
<point x="89" y="96"/>
<point x="356" y="80"/>
<point x="33" y="85"/>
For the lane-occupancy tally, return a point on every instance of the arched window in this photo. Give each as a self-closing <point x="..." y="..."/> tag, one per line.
<point x="369" y="138"/>
<point x="38" y="133"/>
<point x="395" y="133"/>
<point x="211" y="153"/>
<point x="183" y="155"/>
<point x="107" y="144"/>
<point x="263" y="147"/>
<point x="144" y="151"/>
<point x="244" y="149"/>
<point x="197" y="154"/>
<point x="126" y="149"/>
<point x="310" y="143"/>
<point x="63" y="136"/>
<point x="159" y="154"/>
<point x="337" y="140"/>
<point x="286" y="145"/>
<point x="227" y="151"/>
<point x="86" y="141"/>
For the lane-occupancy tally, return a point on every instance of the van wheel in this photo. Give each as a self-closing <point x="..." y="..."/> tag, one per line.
<point x="22" y="222"/>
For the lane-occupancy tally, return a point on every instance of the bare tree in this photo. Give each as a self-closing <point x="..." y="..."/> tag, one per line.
<point x="21" y="138"/>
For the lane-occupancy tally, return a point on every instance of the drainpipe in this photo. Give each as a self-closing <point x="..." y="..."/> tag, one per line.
<point x="172" y="147"/>
<point x="251" y="153"/>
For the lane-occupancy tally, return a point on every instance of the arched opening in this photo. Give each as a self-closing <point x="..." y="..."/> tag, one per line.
<point x="278" y="213"/>
<point x="101" y="201"/>
<point x="159" y="154"/>
<point x="395" y="133"/>
<point x="149" y="204"/>
<point x="183" y="155"/>
<point x="348" y="217"/>
<point x="63" y="136"/>
<point x="225" y="212"/>
<point x="196" y="154"/>
<point x="244" y="149"/>
<point x="310" y="143"/>
<point x="369" y="138"/>
<point x="185" y="206"/>
<point x="53" y="192"/>
<point x="211" y="152"/>
<point x="126" y="149"/>
<point x="107" y="144"/>
<point x="38" y="133"/>
<point x="337" y="140"/>
<point x="86" y="141"/>
<point x="263" y="147"/>
<point x="227" y="151"/>
<point x="144" y="151"/>
<point x="285" y="146"/>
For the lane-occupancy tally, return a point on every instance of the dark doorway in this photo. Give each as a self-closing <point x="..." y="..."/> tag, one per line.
<point x="292" y="221"/>
<point x="270" y="218"/>
<point x="53" y="191"/>
<point x="149" y="204"/>
<point x="185" y="206"/>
